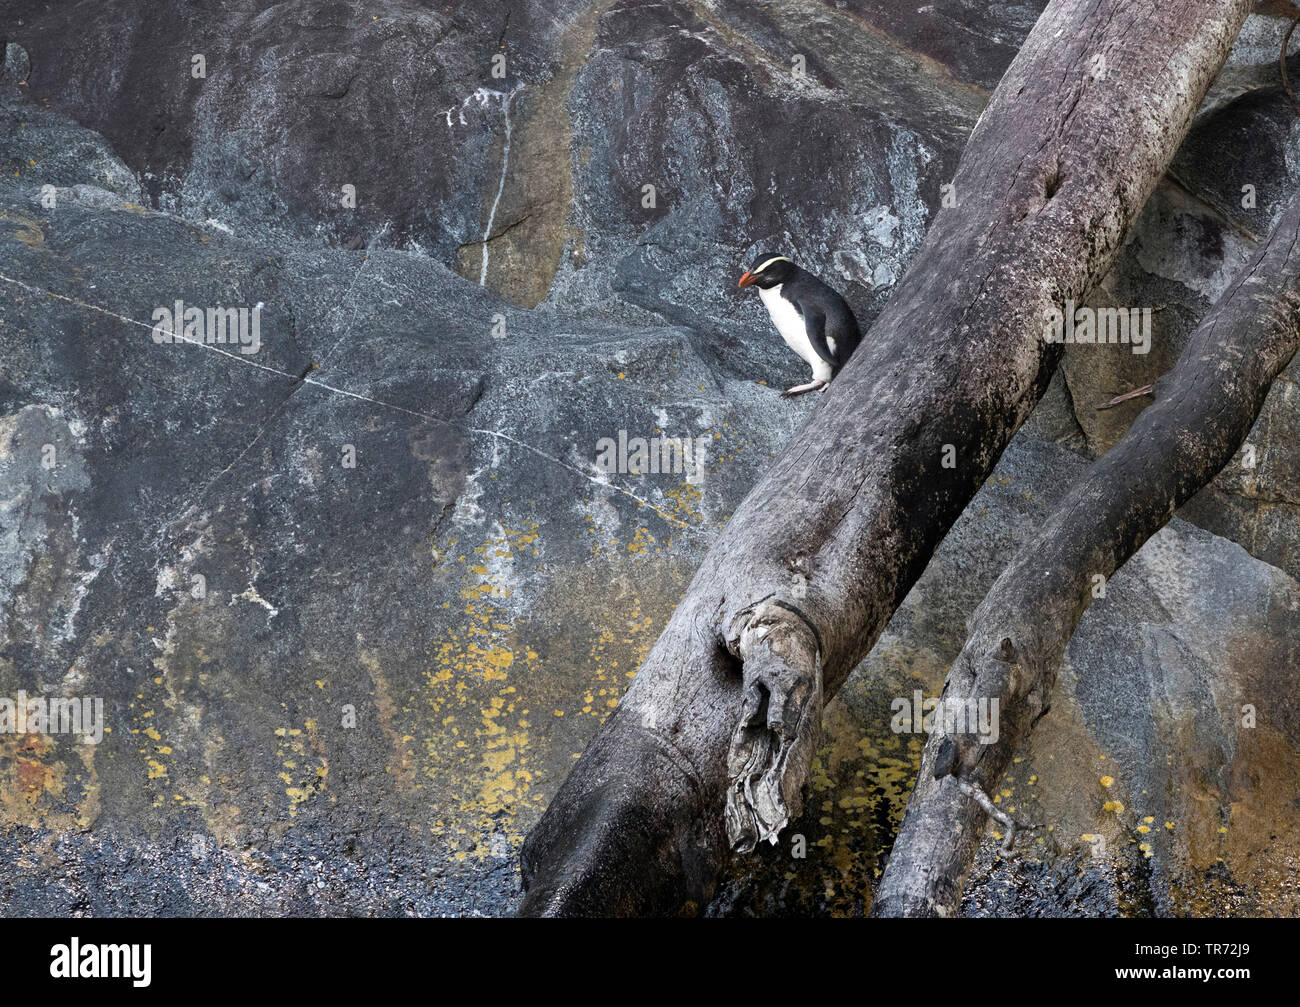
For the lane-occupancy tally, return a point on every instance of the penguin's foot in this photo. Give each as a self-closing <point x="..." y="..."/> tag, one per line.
<point x="811" y="386"/>
<point x="776" y="732"/>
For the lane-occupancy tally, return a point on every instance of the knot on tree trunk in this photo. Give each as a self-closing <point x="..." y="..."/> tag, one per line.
<point x="780" y="715"/>
<point x="981" y="683"/>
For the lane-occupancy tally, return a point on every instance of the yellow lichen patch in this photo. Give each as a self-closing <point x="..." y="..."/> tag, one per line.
<point x="506" y="778"/>
<point x="491" y="677"/>
<point x="304" y="774"/>
<point x="469" y="728"/>
<point x="642" y="541"/>
<point x="685" y="501"/>
<point x="495" y="661"/>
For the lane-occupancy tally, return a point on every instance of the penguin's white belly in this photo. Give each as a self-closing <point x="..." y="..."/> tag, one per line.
<point x="788" y="322"/>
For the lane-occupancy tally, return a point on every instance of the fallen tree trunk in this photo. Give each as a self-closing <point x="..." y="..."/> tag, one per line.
<point x="1204" y="409"/>
<point x="710" y="746"/>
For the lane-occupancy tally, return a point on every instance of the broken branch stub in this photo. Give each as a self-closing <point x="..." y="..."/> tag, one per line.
<point x="776" y="733"/>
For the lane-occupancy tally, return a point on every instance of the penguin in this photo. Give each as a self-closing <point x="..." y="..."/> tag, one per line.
<point x="812" y="318"/>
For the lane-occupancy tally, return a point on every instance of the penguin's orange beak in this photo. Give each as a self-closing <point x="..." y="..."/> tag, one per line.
<point x="747" y="279"/>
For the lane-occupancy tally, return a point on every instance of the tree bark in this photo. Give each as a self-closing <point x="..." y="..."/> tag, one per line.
<point x="1204" y="409"/>
<point x="709" y="747"/>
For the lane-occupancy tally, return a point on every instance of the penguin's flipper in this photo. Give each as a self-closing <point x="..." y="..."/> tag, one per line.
<point x="814" y="324"/>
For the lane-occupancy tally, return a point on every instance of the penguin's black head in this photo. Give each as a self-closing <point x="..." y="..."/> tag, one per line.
<point x="770" y="271"/>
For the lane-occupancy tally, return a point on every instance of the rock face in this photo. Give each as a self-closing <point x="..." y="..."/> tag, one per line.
<point x="354" y="601"/>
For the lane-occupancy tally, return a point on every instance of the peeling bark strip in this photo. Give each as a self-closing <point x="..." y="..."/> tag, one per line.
<point x="723" y="712"/>
<point x="1204" y="409"/>
<point x="781" y="708"/>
